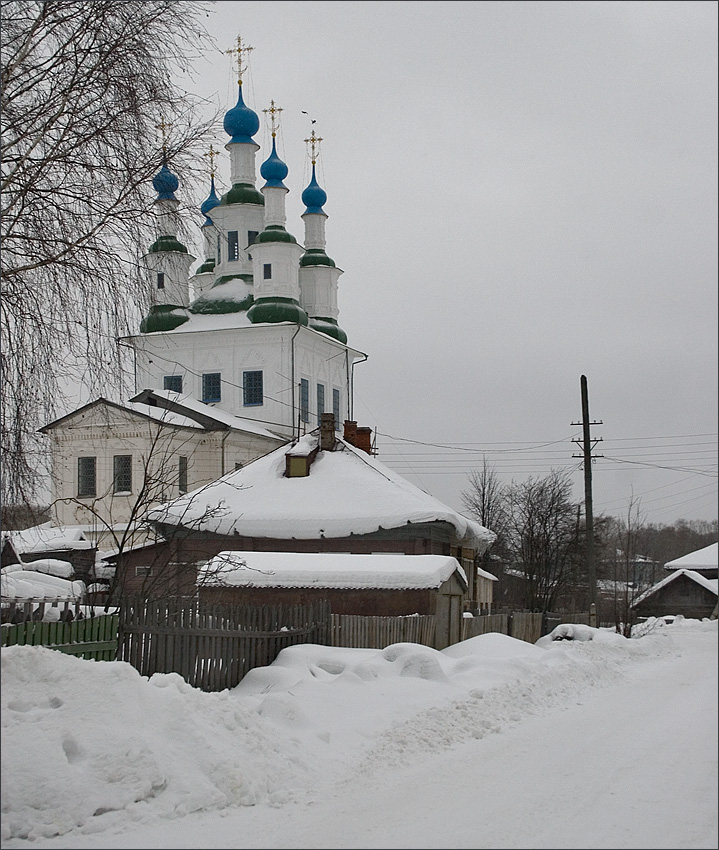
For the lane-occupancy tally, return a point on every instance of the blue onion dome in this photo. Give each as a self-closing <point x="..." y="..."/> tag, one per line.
<point x="274" y="170"/>
<point x="314" y="196"/>
<point x="165" y="183"/>
<point x="210" y="203"/>
<point x="241" y="122"/>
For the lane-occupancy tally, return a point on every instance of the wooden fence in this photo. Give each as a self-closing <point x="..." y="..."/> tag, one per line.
<point x="40" y="608"/>
<point x="213" y="646"/>
<point x="521" y="625"/>
<point x="93" y="638"/>
<point x="357" y="631"/>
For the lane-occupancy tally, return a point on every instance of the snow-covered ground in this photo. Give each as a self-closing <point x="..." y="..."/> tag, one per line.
<point x="491" y="743"/>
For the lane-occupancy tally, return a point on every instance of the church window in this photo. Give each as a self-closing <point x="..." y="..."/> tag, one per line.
<point x="160" y="280"/>
<point x="219" y="250"/>
<point x="336" y="407"/>
<point x="252" y="237"/>
<point x="233" y="246"/>
<point x="267" y="271"/>
<point x="252" y="390"/>
<point x="173" y="383"/>
<point x="304" y="400"/>
<point x="211" y="387"/>
<point x="182" y="474"/>
<point x="86" y="476"/>
<point x="320" y="402"/>
<point x="122" y="474"/>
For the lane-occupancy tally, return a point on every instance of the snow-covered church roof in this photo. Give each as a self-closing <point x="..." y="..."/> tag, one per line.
<point x="347" y="491"/>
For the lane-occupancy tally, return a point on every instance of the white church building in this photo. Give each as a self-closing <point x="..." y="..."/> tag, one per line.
<point x="231" y="361"/>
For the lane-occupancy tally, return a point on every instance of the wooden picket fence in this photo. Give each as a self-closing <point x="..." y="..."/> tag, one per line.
<point x="352" y="630"/>
<point x="213" y="646"/>
<point x="92" y="638"/>
<point x="521" y="625"/>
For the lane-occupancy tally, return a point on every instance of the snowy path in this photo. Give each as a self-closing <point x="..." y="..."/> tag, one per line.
<point x="624" y="765"/>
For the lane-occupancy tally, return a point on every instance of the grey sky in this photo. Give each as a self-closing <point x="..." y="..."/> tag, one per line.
<point x="519" y="194"/>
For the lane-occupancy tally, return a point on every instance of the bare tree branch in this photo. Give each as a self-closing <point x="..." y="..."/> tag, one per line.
<point x="84" y="84"/>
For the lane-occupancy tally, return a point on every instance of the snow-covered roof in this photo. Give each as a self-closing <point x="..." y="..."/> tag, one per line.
<point x="27" y="584"/>
<point x="701" y="559"/>
<point x="329" y="570"/>
<point x="711" y="584"/>
<point x="346" y="492"/>
<point x="180" y="402"/>
<point x="51" y="566"/>
<point x="168" y="417"/>
<point x="48" y="538"/>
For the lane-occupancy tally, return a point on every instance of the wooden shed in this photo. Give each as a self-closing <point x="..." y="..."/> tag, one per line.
<point x="376" y="585"/>
<point x="685" y="592"/>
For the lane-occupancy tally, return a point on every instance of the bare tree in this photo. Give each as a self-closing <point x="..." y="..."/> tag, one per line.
<point x="85" y="85"/>
<point x="543" y="537"/>
<point x="121" y="522"/>
<point x="485" y="500"/>
<point x="629" y="580"/>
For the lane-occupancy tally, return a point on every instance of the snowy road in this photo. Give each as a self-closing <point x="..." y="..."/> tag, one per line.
<point x="629" y="760"/>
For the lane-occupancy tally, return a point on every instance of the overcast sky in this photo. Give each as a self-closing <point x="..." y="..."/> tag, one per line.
<point x="519" y="194"/>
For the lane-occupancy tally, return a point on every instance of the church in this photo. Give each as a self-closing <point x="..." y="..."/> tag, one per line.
<point x="240" y="435"/>
<point x="231" y="360"/>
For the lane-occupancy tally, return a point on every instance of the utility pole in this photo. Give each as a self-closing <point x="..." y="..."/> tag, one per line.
<point x="587" y="445"/>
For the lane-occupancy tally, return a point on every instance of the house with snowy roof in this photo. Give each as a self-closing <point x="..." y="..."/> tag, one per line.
<point x="377" y="585"/>
<point x="58" y="550"/>
<point x="113" y="461"/>
<point x="704" y="561"/>
<point x="231" y="359"/>
<point x="686" y="592"/>
<point x="321" y="494"/>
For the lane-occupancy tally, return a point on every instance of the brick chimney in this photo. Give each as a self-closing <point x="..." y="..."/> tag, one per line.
<point x="327" y="432"/>
<point x="360" y="437"/>
<point x="350" y="431"/>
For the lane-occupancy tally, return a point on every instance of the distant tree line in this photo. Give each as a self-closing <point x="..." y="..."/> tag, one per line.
<point x="539" y="555"/>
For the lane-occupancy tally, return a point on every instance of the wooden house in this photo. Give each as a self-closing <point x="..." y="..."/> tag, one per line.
<point x="704" y="561"/>
<point x="322" y="493"/>
<point x="685" y="592"/>
<point x="377" y="585"/>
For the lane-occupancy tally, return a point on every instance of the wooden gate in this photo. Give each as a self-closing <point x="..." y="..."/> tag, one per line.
<point x="213" y="646"/>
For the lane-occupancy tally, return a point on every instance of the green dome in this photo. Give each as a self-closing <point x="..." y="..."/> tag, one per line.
<point x="163" y="317"/>
<point x="329" y="327"/>
<point x="207" y="266"/>
<point x="243" y="193"/>
<point x="316" y="257"/>
<point x="275" y="233"/>
<point x="167" y="243"/>
<point x="277" y="310"/>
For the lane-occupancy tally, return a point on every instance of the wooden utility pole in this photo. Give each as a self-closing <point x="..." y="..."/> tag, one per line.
<point x="587" y="446"/>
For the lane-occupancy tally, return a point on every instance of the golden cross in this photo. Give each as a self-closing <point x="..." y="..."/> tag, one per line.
<point x="163" y="127"/>
<point x="314" y="143"/>
<point x="274" y="113"/>
<point x="239" y="50"/>
<point x="211" y="154"/>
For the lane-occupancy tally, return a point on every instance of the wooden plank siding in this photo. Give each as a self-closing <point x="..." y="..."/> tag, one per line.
<point x="356" y="631"/>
